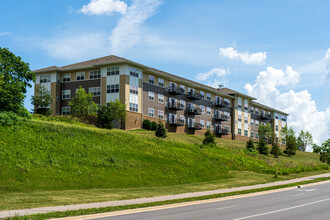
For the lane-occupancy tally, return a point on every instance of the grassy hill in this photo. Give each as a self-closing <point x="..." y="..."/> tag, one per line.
<point x="59" y="155"/>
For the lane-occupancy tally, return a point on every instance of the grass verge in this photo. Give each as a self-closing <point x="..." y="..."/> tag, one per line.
<point x="126" y="207"/>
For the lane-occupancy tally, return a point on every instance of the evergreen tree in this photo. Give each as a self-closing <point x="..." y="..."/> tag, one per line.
<point x="291" y="143"/>
<point x="262" y="147"/>
<point x="160" y="130"/>
<point x="153" y="126"/>
<point x="250" y="145"/>
<point x="276" y="151"/>
<point x="208" y="138"/>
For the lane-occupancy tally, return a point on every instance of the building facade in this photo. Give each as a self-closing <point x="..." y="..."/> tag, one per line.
<point x="183" y="105"/>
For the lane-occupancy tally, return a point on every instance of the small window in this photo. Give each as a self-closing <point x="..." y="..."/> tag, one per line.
<point x="133" y="107"/>
<point x="246" y="133"/>
<point x="134" y="90"/>
<point x="66" y="110"/>
<point x="182" y="118"/>
<point x="113" y="88"/>
<point x="202" y="94"/>
<point x="44" y="78"/>
<point x="160" y="82"/>
<point x="276" y="128"/>
<point x="134" y="74"/>
<point x="183" y="103"/>
<point x="182" y="88"/>
<point x="95" y="74"/>
<point x="202" y="123"/>
<point x="161" y="98"/>
<point x="151" y="96"/>
<point x="160" y="114"/>
<point x="151" y="79"/>
<point x="208" y="111"/>
<point x="66" y="94"/>
<point x="95" y="91"/>
<point x="208" y="96"/>
<point x="66" y="77"/>
<point x="203" y="109"/>
<point x="252" y="134"/>
<point x="257" y="136"/>
<point x="252" y="122"/>
<point x="239" y="131"/>
<point x="80" y="76"/>
<point x="111" y="71"/>
<point x="151" y="112"/>
<point x="208" y="125"/>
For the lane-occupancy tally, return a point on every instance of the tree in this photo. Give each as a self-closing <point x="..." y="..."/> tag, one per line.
<point x="42" y="101"/>
<point x="325" y="152"/>
<point x="250" y="145"/>
<point x="316" y="149"/>
<point x="208" y="138"/>
<point x="304" y="139"/>
<point x="106" y="115"/>
<point x="265" y="132"/>
<point x="15" y="76"/>
<point x="276" y="151"/>
<point x="291" y="142"/>
<point x="262" y="147"/>
<point x="160" y="130"/>
<point x="82" y="104"/>
<point x="153" y="126"/>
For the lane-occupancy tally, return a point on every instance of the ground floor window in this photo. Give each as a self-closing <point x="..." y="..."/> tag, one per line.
<point x="151" y="112"/>
<point x="239" y="131"/>
<point x="133" y="107"/>
<point x="66" y="110"/>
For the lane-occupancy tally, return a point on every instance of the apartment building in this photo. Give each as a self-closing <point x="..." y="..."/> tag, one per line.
<point x="183" y="105"/>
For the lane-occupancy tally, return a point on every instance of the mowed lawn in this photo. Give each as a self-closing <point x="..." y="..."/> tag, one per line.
<point x="56" y="161"/>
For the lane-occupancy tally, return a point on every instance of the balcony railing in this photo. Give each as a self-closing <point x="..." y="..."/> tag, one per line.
<point x="265" y="116"/>
<point x="220" y="103"/>
<point x="221" y="117"/>
<point x="175" y="106"/>
<point x="175" y="90"/>
<point x="195" y="126"/>
<point x="222" y="131"/>
<point x="194" y="96"/>
<point x="176" y="122"/>
<point x="194" y="111"/>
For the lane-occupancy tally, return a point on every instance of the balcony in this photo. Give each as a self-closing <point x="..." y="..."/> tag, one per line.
<point x="194" y="111"/>
<point x="176" y="122"/>
<point x="195" y="126"/>
<point x="222" y="131"/>
<point x="220" y="103"/>
<point x="221" y="117"/>
<point x="175" y="106"/>
<point x="194" y="96"/>
<point x="175" y="90"/>
<point x="265" y="116"/>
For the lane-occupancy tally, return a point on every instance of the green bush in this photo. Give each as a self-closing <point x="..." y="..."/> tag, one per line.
<point x="146" y="124"/>
<point x="8" y="118"/>
<point x="153" y="126"/>
<point x="262" y="147"/>
<point x="160" y="130"/>
<point x="208" y="138"/>
<point x="250" y="145"/>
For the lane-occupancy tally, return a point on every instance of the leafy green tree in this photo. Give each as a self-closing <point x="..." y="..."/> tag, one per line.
<point x="291" y="142"/>
<point x="146" y="124"/>
<point x="265" y="132"/>
<point x="160" y="130"/>
<point x="325" y="147"/>
<point x="113" y="111"/>
<point x="250" y="145"/>
<point x="316" y="149"/>
<point x="15" y="76"/>
<point x="42" y="101"/>
<point x="153" y="126"/>
<point x="208" y="138"/>
<point x="82" y="104"/>
<point x="276" y="151"/>
<point x="304" y="139"/>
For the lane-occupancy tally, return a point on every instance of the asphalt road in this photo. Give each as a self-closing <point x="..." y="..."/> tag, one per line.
<point x="305" y="203"/>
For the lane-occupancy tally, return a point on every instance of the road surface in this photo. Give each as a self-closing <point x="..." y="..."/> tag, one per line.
<point x="305" y="203"/>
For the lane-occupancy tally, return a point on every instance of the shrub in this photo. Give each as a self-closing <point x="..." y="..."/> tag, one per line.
<point x="208" y="138"/>
<point x="146" y="124"/>
<point x="250" y="145"/>
<point x="262" y="147"/>
<point x="153" y="126"/>
<point x="324" y="157"/>
<point x="8" y="118"/>
<point x="276" y="151"/>
<point x="160" y="130"/>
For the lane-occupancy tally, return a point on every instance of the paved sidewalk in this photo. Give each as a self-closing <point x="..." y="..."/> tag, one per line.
<point x="20" y="212"/>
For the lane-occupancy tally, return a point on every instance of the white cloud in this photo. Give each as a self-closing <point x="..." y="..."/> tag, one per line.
<point x="213" y="72"/>
<point x="300" y="105"/>
<point x="128" y="30"/>
<point x="104" y="7"/>
<point x="246" y="57"/>
<point x="4" y="34"/>
<point x="327" y="59"/>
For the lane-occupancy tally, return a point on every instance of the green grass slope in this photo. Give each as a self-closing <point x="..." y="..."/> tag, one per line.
<point x="54" y="155"/>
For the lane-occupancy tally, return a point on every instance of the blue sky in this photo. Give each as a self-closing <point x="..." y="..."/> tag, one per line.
<point x="281" y="44"/>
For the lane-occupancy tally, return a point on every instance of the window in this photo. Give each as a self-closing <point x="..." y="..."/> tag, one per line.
<point x="208" y="125"/>
<point x="246" y="133"/>
<point x="252" y="134"/>
<point x="276" y="115"/>
<point x="252" y="122"/>
<point x="161" y="98"/>
<point x="151" y="112"/>
<point x="66" y="110"/>
<point x="160" y="114"/>
<point x="182" y="88"/>
<point x="208" y="111"/>
<point x="151" y="96"/>
<point x="182" y="118"/>
<point x="66" y="77"/>
<point x="151" y="79"/>
<point x="80" y="76"/>
<point x="239" y="131"/>
<point x="202" y="123"/>
<point x="202" y="94"/>
<point x="161" y="82"/>
<point x="203" y="109"/>
<point x="133" y="90"/>
<point x="276" y="128"/>
<point x="246" y="119"/>
<point x="113" y="71"/>
<point x="257" y="136"/>
<point x="252" y="109"/>
<point x="208" y="96"/>
<point x="44" y="78"/>
<point x="183" y="103"/>
<point x="66" y="94"/>
<point x="256" y="122"/>
<point x="134" y="74"/>
<point x="113" y="88"/>
<point x="133" y="107"/>
<point x="283" y="141"/>
<point x="256" y="111"/>
<point x="95" y="74"/>
<point x="95" y="91"/>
